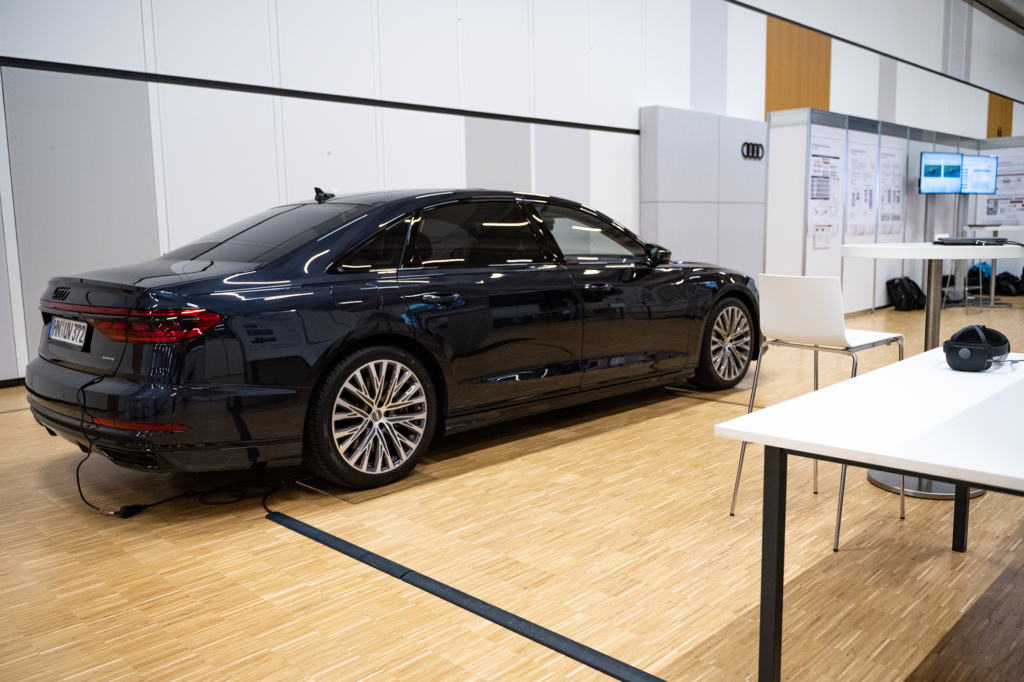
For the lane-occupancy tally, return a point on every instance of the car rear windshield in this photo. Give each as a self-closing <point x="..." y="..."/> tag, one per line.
<point x="268" y="235"/>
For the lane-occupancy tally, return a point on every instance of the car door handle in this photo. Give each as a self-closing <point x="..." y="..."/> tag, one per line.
<point x="442" y="299"/>
<point x="599" y="287"/>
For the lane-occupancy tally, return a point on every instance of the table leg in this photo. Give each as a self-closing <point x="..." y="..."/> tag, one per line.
<point x="961" y="517"/>
<point x="934" y="305"/>
<point x="773" y="552"/>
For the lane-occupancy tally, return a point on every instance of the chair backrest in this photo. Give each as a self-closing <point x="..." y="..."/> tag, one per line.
<point x="802" y="310"/>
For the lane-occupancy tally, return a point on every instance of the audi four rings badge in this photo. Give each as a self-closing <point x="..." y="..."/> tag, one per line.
<point x="753" y="150"/>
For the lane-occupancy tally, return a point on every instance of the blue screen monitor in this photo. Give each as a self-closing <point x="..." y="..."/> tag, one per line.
<point x="940" y="173"/>
<point x="978" y="174"/>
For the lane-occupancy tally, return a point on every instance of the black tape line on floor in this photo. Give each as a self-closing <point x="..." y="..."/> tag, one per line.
<point x="612" y="667"/>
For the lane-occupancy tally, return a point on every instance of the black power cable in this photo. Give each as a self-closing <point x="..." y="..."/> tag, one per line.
<point x="225" y="494"/>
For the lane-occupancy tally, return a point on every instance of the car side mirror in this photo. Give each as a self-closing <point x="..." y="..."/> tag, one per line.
<point x="658" y="255"/>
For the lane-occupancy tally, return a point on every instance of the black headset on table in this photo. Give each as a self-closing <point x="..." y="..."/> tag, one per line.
<point x="975" y="348"/>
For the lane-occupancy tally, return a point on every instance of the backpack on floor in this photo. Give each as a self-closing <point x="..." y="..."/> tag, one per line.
<point x="1008" y="284"/>
<point x="905" y="294"/>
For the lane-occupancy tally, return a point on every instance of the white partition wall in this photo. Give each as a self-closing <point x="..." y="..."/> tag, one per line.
<point x="1006" y="206"/>
<point x="892" y="204"/>
<point x="877" y="165"/>
<point x="862" y="148"/>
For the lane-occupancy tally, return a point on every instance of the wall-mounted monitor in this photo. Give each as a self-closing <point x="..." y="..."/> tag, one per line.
<point x="978" y="174"/>
<point x="940" y="173"/>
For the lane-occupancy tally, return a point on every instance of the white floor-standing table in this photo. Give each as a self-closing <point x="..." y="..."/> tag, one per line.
<point x="934" y="254"/>
<point x="900" y="419"/>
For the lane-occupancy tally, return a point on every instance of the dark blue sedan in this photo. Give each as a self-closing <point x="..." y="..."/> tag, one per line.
<point x="346" y="332"/>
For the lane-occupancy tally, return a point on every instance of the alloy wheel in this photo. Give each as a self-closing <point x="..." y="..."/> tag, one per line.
<point x="730" y="343"/>
<point x="379" y="417"/>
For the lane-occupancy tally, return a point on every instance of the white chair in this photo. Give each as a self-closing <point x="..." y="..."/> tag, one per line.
<point x="807" y="313"/>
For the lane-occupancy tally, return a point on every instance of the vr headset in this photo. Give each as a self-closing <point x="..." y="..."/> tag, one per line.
<point x="975" y="348"/>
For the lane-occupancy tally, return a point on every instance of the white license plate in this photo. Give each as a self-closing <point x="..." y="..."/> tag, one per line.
<point x="68" y="331"/>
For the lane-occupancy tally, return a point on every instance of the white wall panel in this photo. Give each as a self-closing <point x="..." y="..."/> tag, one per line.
<point x="107" y="34"/>
<point x="1018" y="119"/>
<point x="997" y="57"/>
<point x="8" y="352"/>
<point x="423" y="151"/>
<point x="784" y="215"/>
<point x="220" y="161"/>
<point x="228" y="40"/>
<point x="617" y="62"/>
<point x="854" y="81"/>
<point x="925" y="100"/>
<point x="562" y="162"/>
<point x="741" y="237"/>
<point x="688" y="230"/>
<point x="561" y="60"/>
<point x="666" y="68"/>
<point x="327" y="46"/>
<point x="495" y="58"/>
<point x="419" y="51"/>
<point x="908" y="29"/>
<point x="331" y="146"/>
<point x="746" y="64"/>
<point x="615" y="177"/>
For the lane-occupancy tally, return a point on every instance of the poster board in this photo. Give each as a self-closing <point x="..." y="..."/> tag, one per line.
<point x="826" y="170"/>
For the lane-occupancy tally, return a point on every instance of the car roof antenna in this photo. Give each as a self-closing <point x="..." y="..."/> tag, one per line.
<point x="322" y="196"/>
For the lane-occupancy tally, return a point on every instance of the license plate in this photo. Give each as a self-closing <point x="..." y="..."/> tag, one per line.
<point x="67" y="331"/>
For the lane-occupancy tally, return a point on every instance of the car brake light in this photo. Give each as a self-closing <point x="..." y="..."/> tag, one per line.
<point x="157" y="326"/>
<point x="139" y="426"/>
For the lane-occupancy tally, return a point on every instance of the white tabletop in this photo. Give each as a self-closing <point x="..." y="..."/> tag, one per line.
<point x="929" y="251"/>
<point x="917" y="415"/>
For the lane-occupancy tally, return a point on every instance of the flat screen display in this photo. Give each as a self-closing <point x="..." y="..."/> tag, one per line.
<point x="940" y="173"/>
<point x="978" y="174"/>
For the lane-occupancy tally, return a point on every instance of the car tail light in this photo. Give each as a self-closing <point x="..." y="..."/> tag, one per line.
<point x="139" y="426"/>
<point x="157" y="326"/>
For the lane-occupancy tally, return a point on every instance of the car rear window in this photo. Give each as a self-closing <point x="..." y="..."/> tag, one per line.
<point x="268" y="235"/>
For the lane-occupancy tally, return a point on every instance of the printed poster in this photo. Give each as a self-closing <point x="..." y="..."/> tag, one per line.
<point x="824" y="199"/>
<point x="862" y="189"/>
<point x="1006" y="206"/>
<point x="893" y="186"/>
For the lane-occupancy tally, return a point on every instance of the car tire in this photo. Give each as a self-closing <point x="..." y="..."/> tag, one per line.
<point x="727" y="346"/>
<point x="371" y="418"/>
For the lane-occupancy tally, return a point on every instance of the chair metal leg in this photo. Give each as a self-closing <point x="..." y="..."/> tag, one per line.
<point x="839" y="513"/>
<point x="815" y="388"/>
<point x="743" y="446"/>
<point x="842" y="476"/>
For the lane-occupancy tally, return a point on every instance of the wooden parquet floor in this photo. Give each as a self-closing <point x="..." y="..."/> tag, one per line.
<point x="607" y="523"/>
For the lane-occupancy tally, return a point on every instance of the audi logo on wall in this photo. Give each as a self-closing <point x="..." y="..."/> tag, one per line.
<point x="753" y="150"/>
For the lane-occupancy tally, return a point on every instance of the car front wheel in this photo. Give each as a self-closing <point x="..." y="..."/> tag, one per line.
<point x="371" y="419"/>
<point x="727" y="346"/>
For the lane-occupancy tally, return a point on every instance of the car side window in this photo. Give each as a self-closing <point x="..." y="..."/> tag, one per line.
<point x="584" y="238"/>
<point x="383" y="252"/>
<point x="474" y="234"/>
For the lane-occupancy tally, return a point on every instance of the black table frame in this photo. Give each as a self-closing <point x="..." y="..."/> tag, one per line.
<point x="773" y="543"/>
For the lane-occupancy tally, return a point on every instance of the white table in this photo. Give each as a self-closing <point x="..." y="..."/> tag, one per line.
<point x="925" y="419"/>
<point x="934" y="254"/>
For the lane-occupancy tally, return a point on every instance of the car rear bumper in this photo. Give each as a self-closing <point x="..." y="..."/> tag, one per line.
<point x="226" y="431"/>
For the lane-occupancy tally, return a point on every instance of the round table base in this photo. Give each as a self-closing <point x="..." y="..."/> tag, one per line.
<point x="917" y="487"/>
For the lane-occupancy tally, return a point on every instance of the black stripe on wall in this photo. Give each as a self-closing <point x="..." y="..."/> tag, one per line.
<point x="284" y="92"/>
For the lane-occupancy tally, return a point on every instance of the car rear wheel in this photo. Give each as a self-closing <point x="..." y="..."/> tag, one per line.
<point x="726" y="348"/>
<point x="371" y="419"/>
